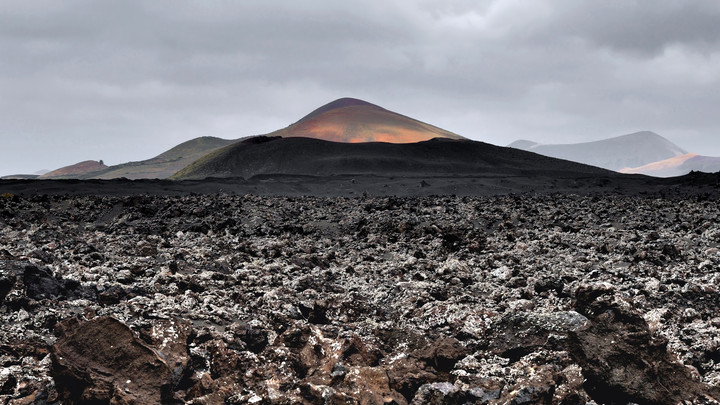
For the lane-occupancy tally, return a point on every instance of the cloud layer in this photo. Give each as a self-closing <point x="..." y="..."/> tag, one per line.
<point x="124" y="80"/>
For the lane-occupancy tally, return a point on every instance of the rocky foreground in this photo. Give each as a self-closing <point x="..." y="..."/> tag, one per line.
<point x="241" y="299"/>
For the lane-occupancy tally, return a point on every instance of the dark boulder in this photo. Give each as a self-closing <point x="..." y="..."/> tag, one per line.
<point x="101" y="361"/>
<point x="7" y="281"/>
<point x="622" y="360"/>
<point x="442" y="354"/>
<point x="40" y="283"/>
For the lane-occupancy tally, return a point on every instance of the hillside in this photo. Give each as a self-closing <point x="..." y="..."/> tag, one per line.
<point x="159" y="167"/>
<point x="678" y="166"/>
<point x="632" y="150"/>
<point x="305" y="156"/>
<point x="78" y="170"/>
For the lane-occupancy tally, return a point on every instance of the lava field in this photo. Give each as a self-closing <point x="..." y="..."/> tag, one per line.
<point x="211" y="299"/>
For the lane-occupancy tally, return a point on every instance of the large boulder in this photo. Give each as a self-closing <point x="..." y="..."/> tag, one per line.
<point x="102" y="361"/>
<point x="622" y="360"/>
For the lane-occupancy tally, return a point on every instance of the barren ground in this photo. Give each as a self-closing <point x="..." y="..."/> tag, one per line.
<point x="209" y="299"/>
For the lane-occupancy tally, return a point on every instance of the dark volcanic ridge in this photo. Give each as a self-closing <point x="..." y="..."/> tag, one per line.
<point x="239" y="299"/>
<point x="314" y="157"/>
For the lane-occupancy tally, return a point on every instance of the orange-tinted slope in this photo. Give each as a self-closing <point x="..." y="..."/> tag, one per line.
<point x="661" y="168"/>
<point x="678" y="166"/>
<point x="352" y="121"/>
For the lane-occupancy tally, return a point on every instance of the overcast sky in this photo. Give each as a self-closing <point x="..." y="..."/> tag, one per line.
<point x="123" y="80"/>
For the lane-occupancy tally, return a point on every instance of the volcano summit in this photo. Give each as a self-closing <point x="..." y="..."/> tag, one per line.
<point x="352" y="121"/>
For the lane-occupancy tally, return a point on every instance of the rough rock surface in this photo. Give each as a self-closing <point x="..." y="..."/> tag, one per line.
<point x="273" y="300"/>
<point x="101" y="361"/>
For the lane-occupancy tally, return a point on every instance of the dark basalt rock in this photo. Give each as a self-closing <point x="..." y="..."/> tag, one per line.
<point x="255" y="339"/>
<point x="34" y="283"/>
<point x="112" y="295"/>
<point x="101" y="361"/>
<point x="442" y="354"/>
<point x="7" y="282"/>
<point x="622" y="361"/>
<point x="169" y="338"/>
<point x="40" y="283"/>
<point x="408" y="375"/>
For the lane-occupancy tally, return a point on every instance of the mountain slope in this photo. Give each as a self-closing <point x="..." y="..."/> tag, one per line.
<point x="352" y="120"/>
<point x="678" y="166"/>
<point x="168" y="162"/>
<point x="159" y="167"/>
<point x="78" y="170"/>
<point x="632" y="150"/>
<point x="314" y="157"/>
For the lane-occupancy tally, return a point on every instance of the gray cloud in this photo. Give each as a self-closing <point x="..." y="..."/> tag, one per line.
<point x="124" y="80"/>
<point x="641" y="27"/>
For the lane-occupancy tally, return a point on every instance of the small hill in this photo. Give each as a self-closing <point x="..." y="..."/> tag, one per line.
<point x="159" y="167"/>
<point x="632" y="150"/>
<point x="167" y="163"/>
<point x="315" y="157"/>
<point x="678" y="166"/>
<point x="78" y="170"/>
<point x="351" y="120"/>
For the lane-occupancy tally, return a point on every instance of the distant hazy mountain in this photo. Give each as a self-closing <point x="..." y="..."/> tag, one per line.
<point x="617" y="153"/>
<point x="159" y="167"/>
<point x="78" y="170"/>
<point x="25" y="176"/>
<point x="19" y="177"/>
<point x="353" y="120"/>
<point x="678" y="166"/>
<point x="314" y="157"/>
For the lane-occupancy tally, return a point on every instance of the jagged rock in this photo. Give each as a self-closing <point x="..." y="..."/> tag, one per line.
<point x="371" y="385"/>
<point x="101" y="361"/>
<point x="621" y="360"/>
<point x="33" y="283"/>
<point x="7" y="282"/>
<point x="169" y="338"/>
<point x="8" y="382"/>
<point x="40" y="283"/>
<point x="246" y="299"/>
<point x="112" y="295"/>
<point x="439" y="393"/>
<point x="442" y="354"/>
<point x="517" y="334"/>
<point x="255" y="339"/>
<point x="407" y="375"/>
